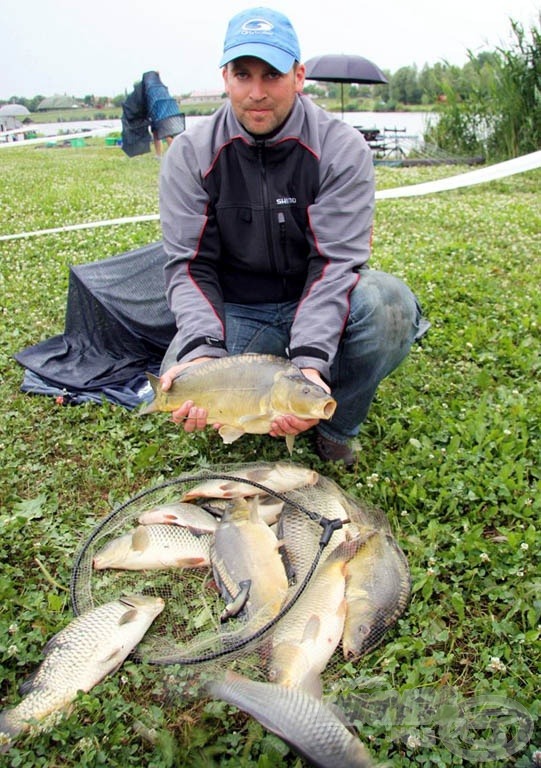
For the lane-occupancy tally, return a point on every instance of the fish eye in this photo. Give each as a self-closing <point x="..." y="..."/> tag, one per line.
<point x="364" y="631"/>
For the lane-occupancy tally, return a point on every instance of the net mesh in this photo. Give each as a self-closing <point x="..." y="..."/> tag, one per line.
<point x="309" y="522"/>
<point x="117" y="324"/>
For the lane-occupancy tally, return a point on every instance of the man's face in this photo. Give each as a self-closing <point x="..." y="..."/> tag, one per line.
<point x="261" y="97"/>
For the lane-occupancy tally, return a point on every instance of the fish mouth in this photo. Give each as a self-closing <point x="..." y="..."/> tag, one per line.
<point x="329" y="408"/>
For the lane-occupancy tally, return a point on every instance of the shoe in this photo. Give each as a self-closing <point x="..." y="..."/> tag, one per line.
<point x="330" y="450"/>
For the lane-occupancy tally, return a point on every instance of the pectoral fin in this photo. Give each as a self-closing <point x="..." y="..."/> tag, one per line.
<point x="110" y="656"/>
<point x="229" y="434"/>
<point x="128" y="617"/>
<point x="235" y="606"/>
<point x="140" y="539"/>
<point x="312" y="629"/>
<point x="191" y="562"/>
<point x="290" y="442"/>
<point x="256" y="424"/>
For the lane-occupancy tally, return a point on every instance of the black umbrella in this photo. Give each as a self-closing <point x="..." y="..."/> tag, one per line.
<point x="343" y="68"/>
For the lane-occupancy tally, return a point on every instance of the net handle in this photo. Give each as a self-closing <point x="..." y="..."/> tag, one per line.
<point x="329" y="527"/>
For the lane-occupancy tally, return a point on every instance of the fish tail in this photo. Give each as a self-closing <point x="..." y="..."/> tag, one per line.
<point x="219" y="687"/>
<point x="156" y="388"/>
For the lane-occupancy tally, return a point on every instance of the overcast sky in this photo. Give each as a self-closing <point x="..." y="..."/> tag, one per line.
<point x="102" y="47"/>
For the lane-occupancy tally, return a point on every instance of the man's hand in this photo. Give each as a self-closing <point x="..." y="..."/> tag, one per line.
<point x="292" y="425"/>
<point x="315" y="376"/>
<point x="194" y="418"/>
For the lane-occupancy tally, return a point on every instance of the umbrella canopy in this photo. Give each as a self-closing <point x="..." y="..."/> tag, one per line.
<point x="343" y="68"/>
<point x="13" y="110"/>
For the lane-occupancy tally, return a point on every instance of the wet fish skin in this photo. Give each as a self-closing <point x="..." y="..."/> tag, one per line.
<point x="155" y="546"/>
<point x="307" y="636"/>
<point x="90" y="647"/>
<point x="301" y="535"/>
<point x="280" y="477"/>
<point x="244" y="550"/>
<point x="378" y="588"/>
<point x="268" y="507"/>
<point x="244" y="394"/>
<point x="306" y="723"/>
<point x="190" y="516"/>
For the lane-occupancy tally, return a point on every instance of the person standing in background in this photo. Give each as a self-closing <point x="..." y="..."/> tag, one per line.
<point x="150" y="105"/>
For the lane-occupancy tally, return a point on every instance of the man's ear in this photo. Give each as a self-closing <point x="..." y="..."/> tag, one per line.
<point x="226" y="79"/>
<point x="300" y="74"/>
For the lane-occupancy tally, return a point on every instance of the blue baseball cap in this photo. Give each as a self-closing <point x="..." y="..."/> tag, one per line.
<point x="265" y="34"/>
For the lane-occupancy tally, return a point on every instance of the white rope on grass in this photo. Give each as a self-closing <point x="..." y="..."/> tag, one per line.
<point x="53" y="139"/>
<point x="87" y="225"/>
<point x="479" y="176"/>
<point x="482" y="175"/>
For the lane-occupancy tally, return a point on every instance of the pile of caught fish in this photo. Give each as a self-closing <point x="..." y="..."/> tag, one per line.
<point x="265" y="572"/>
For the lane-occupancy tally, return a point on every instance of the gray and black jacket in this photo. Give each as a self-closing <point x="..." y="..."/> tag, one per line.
<point x="282" y="219"/>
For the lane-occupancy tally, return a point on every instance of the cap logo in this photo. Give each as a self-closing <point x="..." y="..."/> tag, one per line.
<point x="264" y="34"/>
<point x="255" y="26"/>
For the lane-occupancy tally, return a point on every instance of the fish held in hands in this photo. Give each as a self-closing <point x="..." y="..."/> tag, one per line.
<point x="244" y="394"/>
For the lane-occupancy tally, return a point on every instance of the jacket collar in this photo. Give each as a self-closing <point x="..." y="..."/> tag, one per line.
<point x="290" y="129"/>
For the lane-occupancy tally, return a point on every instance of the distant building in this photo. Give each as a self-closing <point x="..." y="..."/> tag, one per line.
<point x="197" y="97"/>
<point x="58" y="102"/>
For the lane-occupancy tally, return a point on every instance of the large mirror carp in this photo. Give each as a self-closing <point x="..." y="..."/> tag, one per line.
<point x="244" y="394"/>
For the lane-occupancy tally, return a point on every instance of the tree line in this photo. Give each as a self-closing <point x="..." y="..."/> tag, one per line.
<point x="491" y="105"/>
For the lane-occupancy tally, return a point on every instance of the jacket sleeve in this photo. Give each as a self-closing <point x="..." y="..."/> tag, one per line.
<point x="191" y="283"/>
<point x="339" y="230"/>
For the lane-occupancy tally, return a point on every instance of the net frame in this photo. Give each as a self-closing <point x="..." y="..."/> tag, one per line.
<point x="232" y="643"/>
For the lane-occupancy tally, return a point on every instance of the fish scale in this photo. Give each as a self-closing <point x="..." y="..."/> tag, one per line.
<point x="180" y="513"/>
<point x="281" y="477"/>
<point x="306" y="638"/>
<point x="245" y="549"/>
<point x="155" y="546"/>
<point x="79" y="656"/>
<point x="304" y="722"/>
<point x="378" y="589"/>
<point x="244" y="394"/>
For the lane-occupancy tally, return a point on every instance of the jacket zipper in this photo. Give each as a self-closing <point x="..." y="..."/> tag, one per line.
<point x="265" y="194"/>
<point x="268" y="222"/>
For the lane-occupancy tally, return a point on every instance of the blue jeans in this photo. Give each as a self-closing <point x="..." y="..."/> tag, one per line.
<point x="384" y="321"/>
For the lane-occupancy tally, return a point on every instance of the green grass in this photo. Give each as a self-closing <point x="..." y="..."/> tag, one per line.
<point x="451" y="451"/>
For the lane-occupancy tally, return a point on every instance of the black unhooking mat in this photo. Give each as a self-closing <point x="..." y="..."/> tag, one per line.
<point x="117" y="326"/>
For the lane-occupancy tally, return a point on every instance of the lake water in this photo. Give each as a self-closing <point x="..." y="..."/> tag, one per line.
<point x="412" y="124"/>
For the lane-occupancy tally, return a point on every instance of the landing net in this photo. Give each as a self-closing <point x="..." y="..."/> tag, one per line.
<point x="310" y="522"/>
